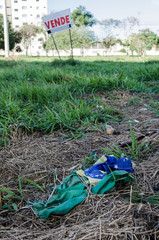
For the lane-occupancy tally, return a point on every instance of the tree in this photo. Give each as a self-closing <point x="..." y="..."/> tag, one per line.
<point x="18" y="37"/>
<point x="82" y="17"/>
<point x="126" y="45"/>
<point x="28" y="31"/>
<point x="18" y="48"/>
<point x="62" y="40"/>
<point x="128" y="25"/>
<point x="44" y="38"/>
<point x="143" y="41"/>
<point x="110" y="25"/>
<point x="14" y="36"/>
<point x="109" y="42"/>
<point x="81" y="38"/>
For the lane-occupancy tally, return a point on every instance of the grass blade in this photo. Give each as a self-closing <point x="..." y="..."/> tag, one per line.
<point x="33" y="183"/>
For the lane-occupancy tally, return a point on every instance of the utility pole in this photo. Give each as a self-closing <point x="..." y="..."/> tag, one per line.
<point x="6" y="37"/>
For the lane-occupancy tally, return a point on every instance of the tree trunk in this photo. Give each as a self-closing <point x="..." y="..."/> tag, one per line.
<point x="26" y="51"/>
<point x="82" y="51"/>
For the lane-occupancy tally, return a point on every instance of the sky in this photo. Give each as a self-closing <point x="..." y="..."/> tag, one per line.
<point x="147" y="11"/>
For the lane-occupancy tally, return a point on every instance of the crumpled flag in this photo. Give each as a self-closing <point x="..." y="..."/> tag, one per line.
<point x="66" y="196"/>
<point x="111" y="164"/>
<point x="91" y="181"/>
<point x="73" y="191"/>
<point x="108" y="182"/>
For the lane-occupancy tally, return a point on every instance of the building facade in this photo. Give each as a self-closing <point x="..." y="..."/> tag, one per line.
<point x="26" y="12"/>
<point x="23" y="12"/>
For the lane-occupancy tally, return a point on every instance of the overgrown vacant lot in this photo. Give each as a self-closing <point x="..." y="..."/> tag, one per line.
<point x="53" y="116"/>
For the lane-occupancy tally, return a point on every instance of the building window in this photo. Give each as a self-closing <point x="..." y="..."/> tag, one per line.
<point x="0" y="6"/>
<point x="17" y="26"/>
<point x="37" y="8"/>
<point x="37" y="0"/>
<point x="15" y="1"/>
<point x="25" y="23"/>
<point x="16" y="10"/>
<point x="24" y="0"/>
<point x="24" y="7"/>
<point x="38" y="16"/>
<point x="16" y="18"/>
<point x="24" y="15"/>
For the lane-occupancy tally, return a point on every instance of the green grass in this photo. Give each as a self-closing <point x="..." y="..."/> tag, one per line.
<point x="12" y="197"/>
<point x="39" y="94"/>
<point x="136" y="151"/>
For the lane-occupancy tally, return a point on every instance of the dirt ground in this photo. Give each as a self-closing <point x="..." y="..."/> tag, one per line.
<point x="108" y="216"/>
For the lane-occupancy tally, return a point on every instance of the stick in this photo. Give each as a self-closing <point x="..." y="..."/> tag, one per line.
<point x="55" y="46"/>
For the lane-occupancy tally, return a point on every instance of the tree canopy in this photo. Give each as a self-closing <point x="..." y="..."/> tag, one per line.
<point x="143" y="41"/>
<point x="81" y="37"/>
<point x="28" y="31"/>
<point x="109" y="42"/>
<point x="82" y="17"/>
<point x="126" y="25"/>
<point x="14" y="36"/>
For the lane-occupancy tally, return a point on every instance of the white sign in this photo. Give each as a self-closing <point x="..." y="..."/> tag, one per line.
<point x="57" y="22"/>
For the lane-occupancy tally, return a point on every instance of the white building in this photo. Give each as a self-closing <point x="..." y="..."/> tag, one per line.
<point x="24" y="12"/>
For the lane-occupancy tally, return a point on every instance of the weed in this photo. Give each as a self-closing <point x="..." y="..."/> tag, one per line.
<point x="154" y="106"/>
<point x="133" y="101"/>
<point x="115" y="151"/>
<point x="142" y="197"/>
<point x="12" y="197"/>
<point x="90" y="160"/>
<point x="33" y="184"/>
<point x="135" y="151"/>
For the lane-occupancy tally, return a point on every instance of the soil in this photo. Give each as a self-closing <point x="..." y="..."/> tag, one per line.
<point x="47" y="159"/>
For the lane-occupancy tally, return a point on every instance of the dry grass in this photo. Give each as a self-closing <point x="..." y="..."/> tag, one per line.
<point x="110" y="216"/>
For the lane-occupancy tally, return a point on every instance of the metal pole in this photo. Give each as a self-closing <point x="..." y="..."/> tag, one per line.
<point x="71" y="42"/>
<point x="6" y="37"/>
<point x="55" y="46"/>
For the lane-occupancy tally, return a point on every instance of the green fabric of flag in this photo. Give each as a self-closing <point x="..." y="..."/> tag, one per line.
<point x="73" y="191"/>
<point x="108" y="182"/>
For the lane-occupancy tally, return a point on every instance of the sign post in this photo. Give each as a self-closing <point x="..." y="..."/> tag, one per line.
<point x="71" y="43"/>
<point x="55" y="45"/>
<point x="57" y="22"/>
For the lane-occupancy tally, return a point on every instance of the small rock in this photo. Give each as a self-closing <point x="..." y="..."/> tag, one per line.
<point x="143" y="109"/>
<point x="109" y="129"/>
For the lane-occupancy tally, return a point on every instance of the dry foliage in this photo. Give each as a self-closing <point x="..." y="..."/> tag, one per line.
<point x="110" y="216"/>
